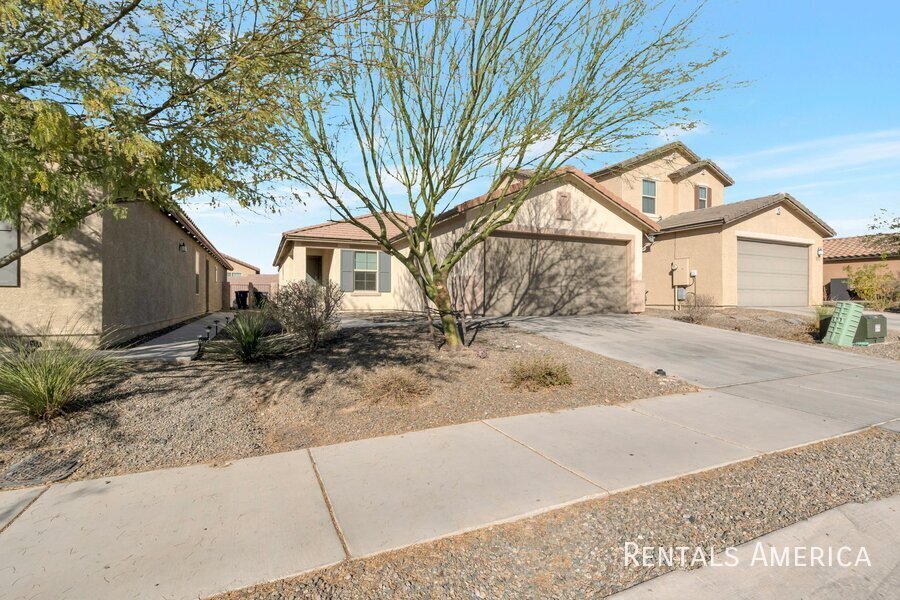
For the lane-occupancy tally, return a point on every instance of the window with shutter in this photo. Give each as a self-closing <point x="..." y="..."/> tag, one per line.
<point x="701" y="197"/>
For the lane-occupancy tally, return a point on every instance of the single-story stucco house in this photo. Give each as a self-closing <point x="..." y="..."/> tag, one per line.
<point x="129" y="275"/>
<point x="650" y="231"/>
<point x="242" y="278"/>
<point x="859" y="251"/>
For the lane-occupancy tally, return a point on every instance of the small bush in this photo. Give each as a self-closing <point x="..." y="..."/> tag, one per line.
<point x="308" y="310"/>
<point x="40" y="380"/>
<point x="874" y="284"/>
<point x="697" y="310"/>
<point x="246" y="338"/>
<point x="538" y="373"/>
<point x="395" y="385"/>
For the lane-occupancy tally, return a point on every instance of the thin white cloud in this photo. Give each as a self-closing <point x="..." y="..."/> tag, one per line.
<point x="825" y="156"/>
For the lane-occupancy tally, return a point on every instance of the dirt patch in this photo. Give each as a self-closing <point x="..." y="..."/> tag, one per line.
<point x="782" y="326"/>
<point x="578" y="551"/>
<point x="316" y="400"/>
<point x="166" y="416"/>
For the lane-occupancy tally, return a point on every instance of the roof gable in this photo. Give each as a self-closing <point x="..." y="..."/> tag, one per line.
<point x="634" y="162"/>
<point x="734" y="211"/>
<point x="685" y="172"/>
<point x="232" y="259"/>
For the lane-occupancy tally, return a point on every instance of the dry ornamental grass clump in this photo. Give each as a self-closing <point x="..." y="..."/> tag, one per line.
<point x="395" y="385"/>
<point x="538" y="373"/>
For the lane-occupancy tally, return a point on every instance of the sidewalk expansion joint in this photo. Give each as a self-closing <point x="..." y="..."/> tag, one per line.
<point x="328" y="505"/>
<point x="547" y="458"/>
<point x="24" y="508"/>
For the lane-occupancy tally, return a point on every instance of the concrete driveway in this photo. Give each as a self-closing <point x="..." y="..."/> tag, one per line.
<point x="830" y="383"/>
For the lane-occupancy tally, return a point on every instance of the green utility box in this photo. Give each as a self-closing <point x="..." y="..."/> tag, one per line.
<point x="843" y="324"/>
<point x="871" y="329"/>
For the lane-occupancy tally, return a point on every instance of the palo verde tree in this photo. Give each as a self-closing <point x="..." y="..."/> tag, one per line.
<point x="109" y="101"/>
<point x="431" y="96"/>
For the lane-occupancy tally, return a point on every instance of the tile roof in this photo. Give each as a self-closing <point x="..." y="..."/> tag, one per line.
<point x="345" y="230"/>
<point x="727" y="213"/>
<point x="628" y="163"/>
<point x="685" y="172"/>
<point x="861" y="246"/>
<point x="240" y="262"/>
<point x="577" y="174"/>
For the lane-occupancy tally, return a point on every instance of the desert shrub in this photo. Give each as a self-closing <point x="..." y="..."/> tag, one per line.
<point x="537" y="373"/>
<point x="874" y="284"/>
<point x="697" y="309"/>
<point x="308" y="310"/>
<point x="247" y="338"/>
<point x="395" y="385"/>
<point x="40" y="380"/>
<point x="814" y="324"/>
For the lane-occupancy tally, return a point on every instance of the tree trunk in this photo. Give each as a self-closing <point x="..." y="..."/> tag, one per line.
<point x="444" y="304"/>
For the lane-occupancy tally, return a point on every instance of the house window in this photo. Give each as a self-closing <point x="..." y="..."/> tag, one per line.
<point x="196" y="272"/>
<point x="365" y="271"/>
<point x="702" y="197"/>
<point x="648" y="196"/>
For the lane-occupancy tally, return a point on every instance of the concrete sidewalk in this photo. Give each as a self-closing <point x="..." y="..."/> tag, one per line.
<point x="874" y="526"/>
<point x="195" y="531"/>
<point x="178" y="345"/>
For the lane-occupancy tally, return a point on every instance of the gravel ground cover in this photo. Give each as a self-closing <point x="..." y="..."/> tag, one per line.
<point x="577" y="552"/>
<point x="773" y="324"/>
<point x="315" y="400"/>
<point x="166" y="416"/>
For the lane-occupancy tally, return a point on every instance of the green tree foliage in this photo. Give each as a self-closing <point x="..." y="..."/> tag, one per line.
<point x="431" y="96"/>
<point x="874" y="284"/>
<point x="105" y="101"/>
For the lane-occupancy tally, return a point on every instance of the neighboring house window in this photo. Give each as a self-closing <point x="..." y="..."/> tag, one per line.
<point x="365" y="271"/>
<point x="9" y="241"/>
<point x="702" y="196"/>
<point x="563" y="206"/>
<point x="648" y="196"/>
<point x="196" y="272"/>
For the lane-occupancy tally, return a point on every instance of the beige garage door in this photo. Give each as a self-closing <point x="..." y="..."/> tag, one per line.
<point x="772" y="274"/>
<point x="552" y="276"/>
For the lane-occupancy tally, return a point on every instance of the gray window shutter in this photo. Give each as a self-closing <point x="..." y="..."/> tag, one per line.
<point x="9" y="241"/>
<point x="384" y="272"/>
<point x="347" y="270"/>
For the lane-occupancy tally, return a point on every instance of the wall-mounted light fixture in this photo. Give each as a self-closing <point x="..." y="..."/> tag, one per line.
<point x="820" y="252"/>
<point x="182" y="247"/>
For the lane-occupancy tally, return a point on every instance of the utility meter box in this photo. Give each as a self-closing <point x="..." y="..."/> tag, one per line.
<point x="872" y="329"/>
<point x="681" y="274"/>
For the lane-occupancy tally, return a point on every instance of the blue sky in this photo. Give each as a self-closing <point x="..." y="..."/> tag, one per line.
<point x="819" y="118"/>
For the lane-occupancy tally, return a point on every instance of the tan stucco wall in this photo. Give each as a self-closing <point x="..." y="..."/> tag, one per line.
<point x="240" y="270"/>
<point x="537" y="214"/>
<point x="60" y="285"/>
<point x="835" y="269"/>
<point x="671" y="198"/>
<point x="150" y="283"/>
<point x="712" y="252"/>
<point x="699" y="250"/>
<point x="787" y="227"/>
<point x="404" y="294"/>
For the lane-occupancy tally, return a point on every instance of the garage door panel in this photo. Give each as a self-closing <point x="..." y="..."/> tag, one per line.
<point x="771" y="274"/>
<point x="543" y="276"/>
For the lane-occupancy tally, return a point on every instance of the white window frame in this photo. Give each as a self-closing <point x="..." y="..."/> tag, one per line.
<point x="654" y="196"/>
<point x="703" y="202"/>
<point x="196" y="273"/>
<point x="375" y="270"/>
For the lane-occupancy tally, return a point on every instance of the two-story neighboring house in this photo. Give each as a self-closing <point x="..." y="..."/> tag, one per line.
<point x="652" y="230"/>
<point x="760" y="252"/>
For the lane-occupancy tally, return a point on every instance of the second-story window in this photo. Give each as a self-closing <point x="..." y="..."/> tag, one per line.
<point x="648" y="196"/>
<point x="702" y="196"/>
